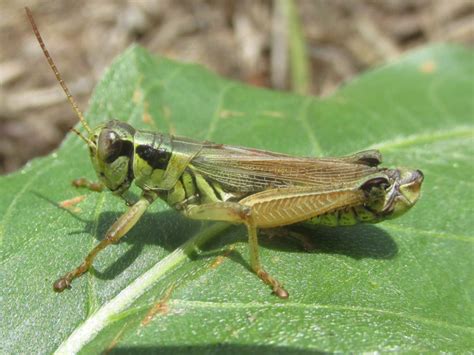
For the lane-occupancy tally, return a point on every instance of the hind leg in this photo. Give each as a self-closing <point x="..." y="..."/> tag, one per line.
<point x="237" y="213"/>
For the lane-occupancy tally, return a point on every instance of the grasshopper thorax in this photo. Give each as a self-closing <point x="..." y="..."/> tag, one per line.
<point x="112" y="154"/>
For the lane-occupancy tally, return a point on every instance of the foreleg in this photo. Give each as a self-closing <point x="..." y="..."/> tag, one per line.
<point x="113" y="235"/>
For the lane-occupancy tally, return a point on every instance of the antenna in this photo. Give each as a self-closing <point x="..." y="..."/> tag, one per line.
<point x="60" y="80"/>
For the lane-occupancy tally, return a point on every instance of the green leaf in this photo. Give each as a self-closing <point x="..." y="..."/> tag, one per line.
<point x="403" y="285"/>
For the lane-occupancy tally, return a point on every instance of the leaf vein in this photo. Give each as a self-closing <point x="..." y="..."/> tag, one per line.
<point x="229" y="305"/>
<point x="215" y="116"/>
<point x="416" y="139"/>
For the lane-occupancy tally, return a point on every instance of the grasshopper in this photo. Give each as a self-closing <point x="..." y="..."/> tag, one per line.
<point x="257" y="188"/>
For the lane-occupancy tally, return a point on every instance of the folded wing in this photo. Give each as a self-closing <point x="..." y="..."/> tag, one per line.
<point x="250" y="170"/>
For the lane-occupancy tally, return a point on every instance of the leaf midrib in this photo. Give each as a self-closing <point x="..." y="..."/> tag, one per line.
<point x="421" y="138"/>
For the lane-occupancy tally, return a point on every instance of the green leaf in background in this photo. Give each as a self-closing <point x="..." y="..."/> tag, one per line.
<point x="403" y="285"/>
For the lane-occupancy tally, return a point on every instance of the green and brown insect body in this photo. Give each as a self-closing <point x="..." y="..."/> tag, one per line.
<point x="257" y="188"/>
<point x="260" y="189"/>
<point x="184" y="173"/>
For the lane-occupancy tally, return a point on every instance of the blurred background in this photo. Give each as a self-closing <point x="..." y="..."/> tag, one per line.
<point x="306" y="46"/>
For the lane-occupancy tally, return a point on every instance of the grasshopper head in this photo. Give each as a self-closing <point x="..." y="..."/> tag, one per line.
<point x="111" y="153"/>
<point x="403" y="192"/>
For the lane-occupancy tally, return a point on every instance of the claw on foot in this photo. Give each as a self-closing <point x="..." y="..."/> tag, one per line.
<point x="278" y="289"/>
<point x="280" y="292"/>
<point x="61" y="284"/>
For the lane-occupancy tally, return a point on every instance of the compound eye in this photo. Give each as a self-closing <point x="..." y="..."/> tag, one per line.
<point x="110" y="146"/>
